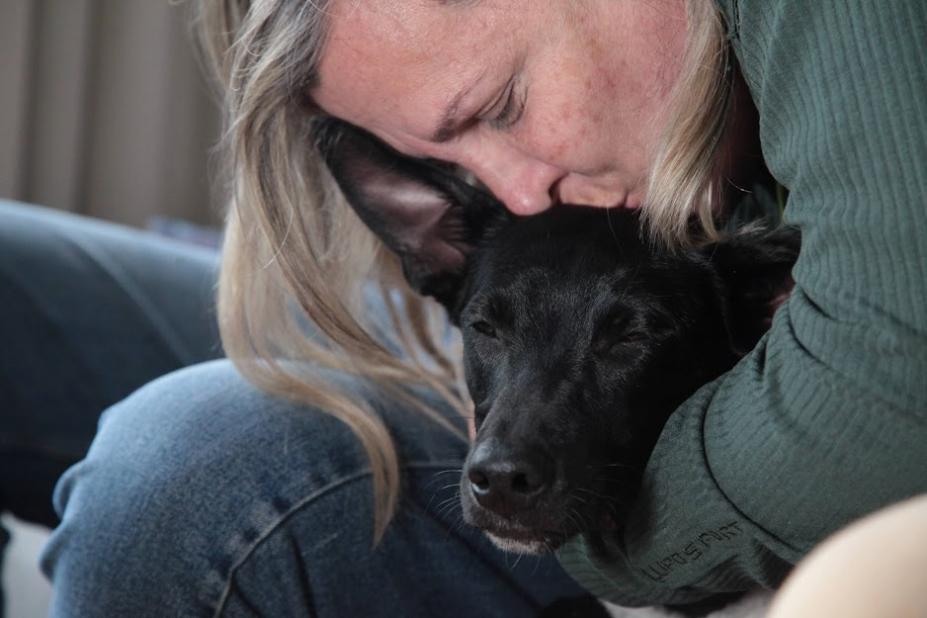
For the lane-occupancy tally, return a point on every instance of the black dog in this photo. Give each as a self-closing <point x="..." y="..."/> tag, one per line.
<point x="580" y="338"/>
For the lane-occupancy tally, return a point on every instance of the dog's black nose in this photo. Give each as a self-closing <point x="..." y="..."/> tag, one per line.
<point x="504" y="482"/>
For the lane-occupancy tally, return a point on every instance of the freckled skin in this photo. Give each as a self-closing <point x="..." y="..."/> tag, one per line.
<point x="597" y="75"/>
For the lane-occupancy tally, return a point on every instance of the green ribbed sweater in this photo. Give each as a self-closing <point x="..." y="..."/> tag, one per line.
<point x="826" y="420"/>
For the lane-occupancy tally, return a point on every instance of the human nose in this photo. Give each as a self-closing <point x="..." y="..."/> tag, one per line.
<point x="526" y="186"/>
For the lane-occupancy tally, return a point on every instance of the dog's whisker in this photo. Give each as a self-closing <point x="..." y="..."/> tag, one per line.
<point x="455" y="526"/>
<point x="441" y="473"/>
<point x="576" y="497"/>
<point x="592" y="493"/>
<point x="448" y="499"/>
<point x="548" y="549"/>
<point x="446" y="510"/>
<point x="430" y="501"/>
<point x="575" y="518"/>
<point x="459" y="524"/>
<point x="537" y="564"/>
<point x="444" y="503"/>
<point x="446" y="506"/>
<point x="615" y="464"/>
<point x="573" y="521"/>
<point x="611" y="480"/>
<point x="436" y="476"/>
<point x="584" y="523"/>
<point x="452" y="470"/>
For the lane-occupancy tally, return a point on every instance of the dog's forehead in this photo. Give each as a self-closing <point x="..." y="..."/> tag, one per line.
<point x="568" y="289"/>
<point x="574" y="261"/>
<point x="568" y="246"/>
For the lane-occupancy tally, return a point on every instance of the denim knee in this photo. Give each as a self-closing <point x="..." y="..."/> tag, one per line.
<point x="184" y="480"/>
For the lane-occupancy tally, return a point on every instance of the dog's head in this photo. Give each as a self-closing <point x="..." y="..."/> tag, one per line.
<point x="579" y="338"/>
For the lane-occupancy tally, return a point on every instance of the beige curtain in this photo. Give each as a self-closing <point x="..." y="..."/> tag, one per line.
<point x="104" y="110"/>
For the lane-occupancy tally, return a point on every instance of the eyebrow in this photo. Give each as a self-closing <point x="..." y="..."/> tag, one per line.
<point x="450" y="123"/>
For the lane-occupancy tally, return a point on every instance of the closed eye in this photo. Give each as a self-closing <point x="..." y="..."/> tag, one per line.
<point x="509" y="107"/>
<point x="511" y="113"/>
<point x="617" y="332"/>
<point x="484" y="328"/>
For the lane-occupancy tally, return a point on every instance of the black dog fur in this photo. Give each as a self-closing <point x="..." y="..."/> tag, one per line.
<point x="580" y="338"/>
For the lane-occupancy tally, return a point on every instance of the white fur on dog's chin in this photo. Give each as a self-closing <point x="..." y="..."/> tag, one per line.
<point x="754" y="605"/>
<point x="534" y="548"/>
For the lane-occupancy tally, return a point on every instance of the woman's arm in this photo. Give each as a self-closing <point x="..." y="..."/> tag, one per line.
<point x="826" y="420"/>
<point x="835" y="581"/>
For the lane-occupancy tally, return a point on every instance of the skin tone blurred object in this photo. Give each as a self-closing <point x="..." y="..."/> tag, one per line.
<point x="874" y="567"/>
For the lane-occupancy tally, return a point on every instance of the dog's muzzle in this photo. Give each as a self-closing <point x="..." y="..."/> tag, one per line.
<point x="505" y="482"/>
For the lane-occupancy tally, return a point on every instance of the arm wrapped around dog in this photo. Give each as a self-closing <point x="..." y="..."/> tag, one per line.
<point x="824" y="421"/>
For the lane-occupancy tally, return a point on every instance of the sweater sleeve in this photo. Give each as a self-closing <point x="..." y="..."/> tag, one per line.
<point x="826" y="420"/>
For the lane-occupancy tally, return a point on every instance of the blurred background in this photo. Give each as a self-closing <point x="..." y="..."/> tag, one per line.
<point x="104" y="111"/>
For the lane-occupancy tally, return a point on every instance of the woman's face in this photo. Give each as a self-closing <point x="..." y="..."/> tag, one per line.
<point x="544" y="100"/>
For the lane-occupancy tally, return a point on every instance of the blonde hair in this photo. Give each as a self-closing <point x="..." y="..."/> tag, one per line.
<point x="684" y="185"/>
<point x="294" y="254"/>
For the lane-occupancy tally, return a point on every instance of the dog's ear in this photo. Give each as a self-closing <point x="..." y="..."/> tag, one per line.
<point x="755" y="268"/>
<point x="421" y="210"/>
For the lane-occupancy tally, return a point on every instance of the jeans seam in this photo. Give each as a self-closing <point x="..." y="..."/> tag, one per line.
<point x="313" y="496"/>
<point x="132" y="291"/>
<point x="33" y="301"/>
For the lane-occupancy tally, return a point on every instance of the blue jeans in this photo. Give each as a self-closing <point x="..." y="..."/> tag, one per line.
<point x="200" y="495"/>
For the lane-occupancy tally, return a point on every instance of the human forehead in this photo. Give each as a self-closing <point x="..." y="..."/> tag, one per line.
<point x="419" y="38"/>
<point x="387" y="62"/>
<point x="418" y="22"/>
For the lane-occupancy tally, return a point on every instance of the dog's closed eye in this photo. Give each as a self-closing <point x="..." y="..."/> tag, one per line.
<point x="484" y="328"/>
<point x="490" y="316"/>
<point x="617" y="331"/>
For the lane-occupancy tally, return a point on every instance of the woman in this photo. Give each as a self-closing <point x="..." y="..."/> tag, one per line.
<point x="203" y="496"/>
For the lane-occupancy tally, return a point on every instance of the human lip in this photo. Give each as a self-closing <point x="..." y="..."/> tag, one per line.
<point x="619" y="204"/>
<point x="599" y="204"/>
<point x="617" y="201"/>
